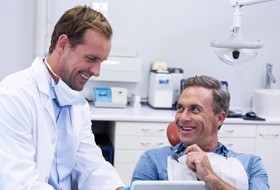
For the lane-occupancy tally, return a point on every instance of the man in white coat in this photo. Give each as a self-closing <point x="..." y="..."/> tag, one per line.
<point x="45" y="124"/>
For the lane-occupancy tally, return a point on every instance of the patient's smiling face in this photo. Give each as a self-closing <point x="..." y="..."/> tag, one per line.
<point x="195" y="119"/>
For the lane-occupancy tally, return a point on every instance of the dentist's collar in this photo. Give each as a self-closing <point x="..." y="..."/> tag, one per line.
<point x="57" y="78"/>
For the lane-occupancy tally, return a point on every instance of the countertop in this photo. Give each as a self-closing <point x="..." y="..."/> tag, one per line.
<point x="148" y="114"/>
<point x="143" y="114"/>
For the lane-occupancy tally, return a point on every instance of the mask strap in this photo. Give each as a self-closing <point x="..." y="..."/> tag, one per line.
<point x="50" y="69"/>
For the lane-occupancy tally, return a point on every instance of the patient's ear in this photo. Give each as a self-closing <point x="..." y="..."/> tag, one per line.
<point x="221" y="118"/>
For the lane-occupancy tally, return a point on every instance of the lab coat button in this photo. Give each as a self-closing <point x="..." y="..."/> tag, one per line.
<point x="46" y="179"/>
<point x="59" y="161"/>
<point x="53" y="141"/>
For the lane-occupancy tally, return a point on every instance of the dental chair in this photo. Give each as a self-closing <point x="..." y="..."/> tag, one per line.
<point x="172" y="133"/>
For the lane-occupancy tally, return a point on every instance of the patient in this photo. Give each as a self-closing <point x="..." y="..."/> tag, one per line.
<point x="201" y="111"/>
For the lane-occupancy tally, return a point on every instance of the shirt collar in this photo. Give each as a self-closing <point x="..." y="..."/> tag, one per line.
<point x="221" y="149"/>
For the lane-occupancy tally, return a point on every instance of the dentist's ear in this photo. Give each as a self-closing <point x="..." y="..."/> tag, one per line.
<point x="62" y="43"/>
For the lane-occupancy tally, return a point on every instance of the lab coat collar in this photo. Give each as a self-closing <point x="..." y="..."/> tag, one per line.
<point x="42" y="75"/>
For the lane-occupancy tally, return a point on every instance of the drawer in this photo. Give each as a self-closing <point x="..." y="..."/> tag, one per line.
<point x="141" y="128"/>
<point x="140" y="142"/>
<point x="242" y="145"/>
<point x="228" y="130"/>
<point x="127" y="156"/>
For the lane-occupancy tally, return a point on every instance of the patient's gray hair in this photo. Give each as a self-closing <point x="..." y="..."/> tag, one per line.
<point x="221" y="97"/>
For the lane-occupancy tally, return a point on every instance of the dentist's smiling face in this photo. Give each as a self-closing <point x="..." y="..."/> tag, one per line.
<point x="195" y="119"/>
<point x="78" y="64"/>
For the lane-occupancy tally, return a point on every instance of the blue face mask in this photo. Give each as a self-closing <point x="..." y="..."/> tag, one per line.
<point x="64" y="94"/>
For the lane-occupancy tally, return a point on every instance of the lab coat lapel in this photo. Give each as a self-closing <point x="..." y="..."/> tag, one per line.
<point x="42" y="76"/>
<point x="76" y="123"/>
<point x="46" y="129"/>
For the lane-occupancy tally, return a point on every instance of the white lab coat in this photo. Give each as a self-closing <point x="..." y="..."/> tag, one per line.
<point x="28" y="137"/>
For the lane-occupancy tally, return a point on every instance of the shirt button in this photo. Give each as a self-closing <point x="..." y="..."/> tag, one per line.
<point x="59" y="161"/>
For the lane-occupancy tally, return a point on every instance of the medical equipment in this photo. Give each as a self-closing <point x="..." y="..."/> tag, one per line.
<point x="237" y="50"/>
<point x="110" y="97"/>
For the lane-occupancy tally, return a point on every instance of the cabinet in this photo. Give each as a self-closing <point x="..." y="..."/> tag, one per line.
<point x="238" y="137"/>
<point x="134" y="138"/>
<point x="268" y="148"/>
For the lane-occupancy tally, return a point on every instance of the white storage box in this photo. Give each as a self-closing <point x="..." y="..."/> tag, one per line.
<point x="120" y="69"/>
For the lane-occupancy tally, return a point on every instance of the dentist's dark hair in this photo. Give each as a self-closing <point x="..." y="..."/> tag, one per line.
<point x="74" y="22"/>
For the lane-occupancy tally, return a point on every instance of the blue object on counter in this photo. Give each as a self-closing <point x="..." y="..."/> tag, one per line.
<point x="102" y="94"/>
<point x="126" y="188"/>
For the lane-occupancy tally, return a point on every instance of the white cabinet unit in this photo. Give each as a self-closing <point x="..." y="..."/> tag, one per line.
<point x="238" y="137"/>
<point x="268" y="148"/>
<point x="134" y="138"/>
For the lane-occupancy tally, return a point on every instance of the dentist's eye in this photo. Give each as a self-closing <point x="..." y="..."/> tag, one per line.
<point x="92" y="59"/>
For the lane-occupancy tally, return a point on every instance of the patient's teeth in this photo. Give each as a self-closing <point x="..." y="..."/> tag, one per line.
<point x="187" y="128"/>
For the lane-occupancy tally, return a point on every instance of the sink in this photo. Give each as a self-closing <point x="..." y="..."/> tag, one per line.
<point x="266" y="103"/>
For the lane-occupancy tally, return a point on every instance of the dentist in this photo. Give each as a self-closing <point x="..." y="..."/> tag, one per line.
<point x="46" y="140"/>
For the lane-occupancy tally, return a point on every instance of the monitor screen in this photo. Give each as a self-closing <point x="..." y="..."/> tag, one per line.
<point x="168" y="185"/>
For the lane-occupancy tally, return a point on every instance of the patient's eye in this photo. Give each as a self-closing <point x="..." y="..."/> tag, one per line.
<point x="195" y="109"/>
<point x="180" y="108"/>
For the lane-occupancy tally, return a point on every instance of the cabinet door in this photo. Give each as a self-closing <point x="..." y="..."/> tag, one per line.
<point x="238" y="137"/>
<point x="132" y="139"/>
<point x="268" y="148"/>
<point x="140" y="129"/>
<point x="237" y="130"/>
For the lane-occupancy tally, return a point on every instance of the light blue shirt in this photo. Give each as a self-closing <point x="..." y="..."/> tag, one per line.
<point x="64" y="157"/>
<point x="152" y="165"/>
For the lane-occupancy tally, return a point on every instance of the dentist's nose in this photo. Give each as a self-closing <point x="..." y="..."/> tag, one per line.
<point x="95" y="69"/>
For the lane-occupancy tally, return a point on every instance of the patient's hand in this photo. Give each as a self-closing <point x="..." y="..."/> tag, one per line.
<point x="197" y="161"/>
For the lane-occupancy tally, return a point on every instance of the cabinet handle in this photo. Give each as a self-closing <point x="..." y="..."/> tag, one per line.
<point x="229" y="144"/>
<point x="227" y="131"/>
<point x="269" y="135"/>
<point x="148" y="144"/>
<point x="152" y="130"/>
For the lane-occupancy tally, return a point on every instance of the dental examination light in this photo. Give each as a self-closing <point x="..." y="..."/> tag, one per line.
<point x="236" y="49"/>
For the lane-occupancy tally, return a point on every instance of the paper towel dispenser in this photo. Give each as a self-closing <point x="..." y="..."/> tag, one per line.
<point x="120" y="69"/>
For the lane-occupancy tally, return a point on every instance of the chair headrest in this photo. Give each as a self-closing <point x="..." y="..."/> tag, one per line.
<point x="172" y="133"/>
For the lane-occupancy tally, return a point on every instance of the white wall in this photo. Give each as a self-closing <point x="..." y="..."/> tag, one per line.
<point x="179" y="32"/>
<point x="17" y="35"/>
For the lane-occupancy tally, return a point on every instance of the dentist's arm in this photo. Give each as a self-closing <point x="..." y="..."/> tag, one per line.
<point x="198" y="162"/>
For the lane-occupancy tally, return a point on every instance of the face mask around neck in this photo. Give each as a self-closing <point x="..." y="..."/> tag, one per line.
<point x="64" y="94"/>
